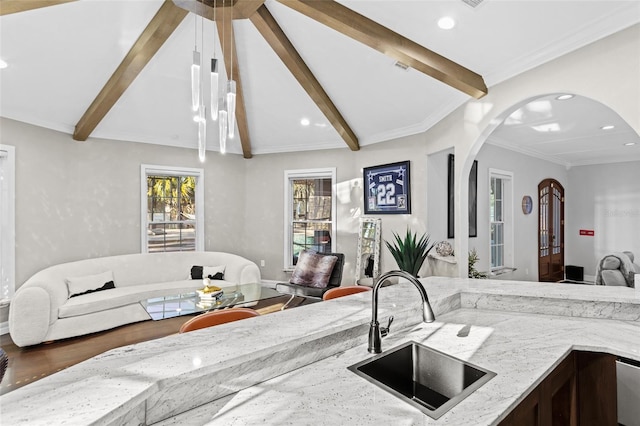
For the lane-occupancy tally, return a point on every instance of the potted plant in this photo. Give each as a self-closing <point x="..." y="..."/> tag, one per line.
<point x="473" y="259"/>
<point x="410" y="252"/>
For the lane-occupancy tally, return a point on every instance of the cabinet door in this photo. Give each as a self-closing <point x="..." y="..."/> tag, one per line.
<point x="528" y="412"/>
<point x="559" y="394"/>
<point x="552" y="402"/>
<point x="597" y="392"/>
<point x="580" y="391"/>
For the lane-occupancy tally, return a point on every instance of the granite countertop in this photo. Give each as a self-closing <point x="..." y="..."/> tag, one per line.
<point x="290" y="367"/>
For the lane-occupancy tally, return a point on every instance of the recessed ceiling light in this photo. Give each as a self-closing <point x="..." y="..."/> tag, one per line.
<point x="629" y="144"/>
<point x="305" y="122"/>
<point x="608" y="127"/>
<point x="446" y="23"/>
<point x="564" y="97"/>
<point x="3" y="64"/>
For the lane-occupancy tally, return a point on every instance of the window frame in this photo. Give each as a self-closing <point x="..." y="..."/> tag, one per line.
<point x="507" y="221"/>
<point x="8" y="224"/>
<point x="290" y="175"/>
<point x="149" y="169"/>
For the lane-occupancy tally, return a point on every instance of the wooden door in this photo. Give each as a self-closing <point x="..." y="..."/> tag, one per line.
<point x="550" y="231"/>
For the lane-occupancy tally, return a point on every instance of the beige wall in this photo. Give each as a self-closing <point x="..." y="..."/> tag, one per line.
<point x="264" y="218"/>
<point x="77" y="200"/>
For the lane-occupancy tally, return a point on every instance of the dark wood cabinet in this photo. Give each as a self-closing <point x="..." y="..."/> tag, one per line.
<point x="597" y="389"/>
<point x="581" y="391"/>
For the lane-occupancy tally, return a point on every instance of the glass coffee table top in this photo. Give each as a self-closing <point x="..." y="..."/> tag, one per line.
<point x="190" y="303"/>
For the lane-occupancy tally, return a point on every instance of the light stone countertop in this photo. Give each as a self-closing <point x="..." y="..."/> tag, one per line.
<point x="521" y="348"/>
<point x="518" y="330"/>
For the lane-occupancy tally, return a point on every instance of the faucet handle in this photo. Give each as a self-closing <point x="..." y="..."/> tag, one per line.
<point x="385" y="330"/>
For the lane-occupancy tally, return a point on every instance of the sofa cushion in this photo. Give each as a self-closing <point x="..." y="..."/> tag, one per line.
<point x="121" y="296"/>
<point x="613" y="277"/>
<point x="313" y="269"/>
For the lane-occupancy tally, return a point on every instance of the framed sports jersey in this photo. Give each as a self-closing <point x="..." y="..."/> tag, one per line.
<point x="387" y="189"/>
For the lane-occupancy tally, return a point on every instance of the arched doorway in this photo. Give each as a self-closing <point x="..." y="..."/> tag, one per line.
<point x="558" y="122"/>
<point x="550" y="231"/>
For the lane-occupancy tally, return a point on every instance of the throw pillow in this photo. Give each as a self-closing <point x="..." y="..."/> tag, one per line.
<point x="106" y="286"/>
<point x="90" y="283"/>
<point x="212" y="272"/>
<point x="313" y="269"/>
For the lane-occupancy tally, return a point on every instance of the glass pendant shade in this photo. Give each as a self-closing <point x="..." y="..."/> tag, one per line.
<point x="222" y="126"/>
<point x="202" y="133"/>
<point x="214" y="89"/>
<point x="195" y="81"/>
<point x="231" y="106"/>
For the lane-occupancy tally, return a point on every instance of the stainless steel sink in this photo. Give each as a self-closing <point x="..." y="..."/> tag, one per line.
<point x="428" y="379"/>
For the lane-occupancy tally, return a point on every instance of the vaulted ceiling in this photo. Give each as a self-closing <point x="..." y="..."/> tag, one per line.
<point x="121" y="69"/>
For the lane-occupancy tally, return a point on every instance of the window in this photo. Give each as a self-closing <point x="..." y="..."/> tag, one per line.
<point x="310" y="211"/>
<point x="172" y="209"/>
<point x="500" y="216"/>
<point x="7" y="223"/>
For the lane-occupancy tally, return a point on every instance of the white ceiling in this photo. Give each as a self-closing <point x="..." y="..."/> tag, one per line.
<point x="568" y="132"/>
<point x="60" y="57"/>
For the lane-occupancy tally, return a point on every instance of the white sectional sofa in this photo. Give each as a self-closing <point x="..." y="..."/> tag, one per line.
<point x="42" y="309"/>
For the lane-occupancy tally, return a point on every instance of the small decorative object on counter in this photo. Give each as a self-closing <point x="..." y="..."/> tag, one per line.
<point x="443" y="248"/>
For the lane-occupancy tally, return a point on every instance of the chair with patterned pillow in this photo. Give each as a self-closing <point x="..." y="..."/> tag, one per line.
<point x="314" y="275"/>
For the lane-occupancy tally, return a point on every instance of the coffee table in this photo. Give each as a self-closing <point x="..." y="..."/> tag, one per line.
<point x="189" y="303"/>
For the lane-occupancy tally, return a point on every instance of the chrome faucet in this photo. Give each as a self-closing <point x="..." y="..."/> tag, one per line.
<point x="375" y="333"/>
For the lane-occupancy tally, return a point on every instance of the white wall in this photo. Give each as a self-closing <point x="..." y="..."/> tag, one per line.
<point x="604" y="198"/>
<point x="528" y="172"/>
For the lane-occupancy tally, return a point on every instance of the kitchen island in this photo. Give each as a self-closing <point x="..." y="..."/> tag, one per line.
<point x="290" y="367"/>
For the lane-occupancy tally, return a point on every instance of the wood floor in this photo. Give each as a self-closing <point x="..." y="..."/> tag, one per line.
<point x="27" y="365"/>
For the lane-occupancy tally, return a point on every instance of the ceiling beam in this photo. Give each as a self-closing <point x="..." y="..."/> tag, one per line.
<point x="277" y="39"/>
<point x="229" y="51"/>
<point x="390" y="43"/>
<point x="165" y="21"/>
<point x="240" y="9"/>
<point x="7" y="7"/>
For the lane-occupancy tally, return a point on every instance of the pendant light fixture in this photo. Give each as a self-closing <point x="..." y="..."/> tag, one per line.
<point x="231" y="89"/>
<point x="222" y="125"/>
<point x="222" y="108"/>
<point x="202" y="110"/>
<point x="214" y="73"/>
<point x="202" y="133"/>
<point x="195" y="71"/>
<point x="231" y="105"/>
<point x="214" y="89"/>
